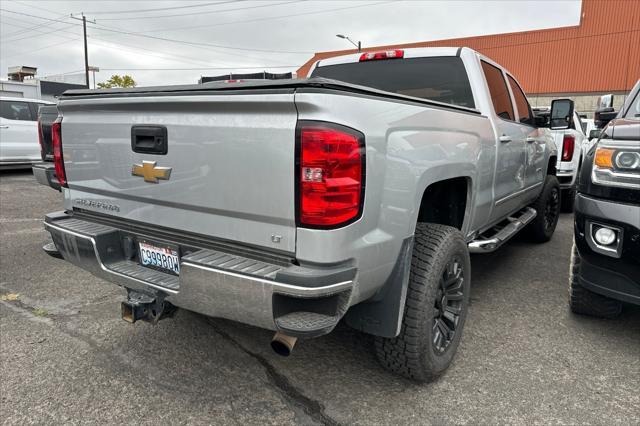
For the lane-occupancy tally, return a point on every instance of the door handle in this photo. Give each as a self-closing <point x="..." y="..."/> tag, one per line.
<point x="505" y="139"/>
<point x="531" y="140"/>
<point x="4" y="127"/>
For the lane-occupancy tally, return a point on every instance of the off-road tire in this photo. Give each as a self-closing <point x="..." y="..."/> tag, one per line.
<point x="542" y="227"/>
<point x="414" y="353"/>
<point x="585" y="302"/>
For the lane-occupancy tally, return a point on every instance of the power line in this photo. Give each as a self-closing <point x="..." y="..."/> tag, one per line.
<point x="268" y="18"/>
<point x="110" y="45"/>
<point x="195" y="43"/>
<point x="39" y="7"/>
<point x="120" y="46"/>
<point x="29" y="15"/>
<point x="198" y="13"/>
<point x="33" y="51"/>
<point x="160" y="8"/>
<point x="199" y="69"/>
<point x="39" y="34"/>
<point x="27" y="29"/>
<point x="123" y="47"/>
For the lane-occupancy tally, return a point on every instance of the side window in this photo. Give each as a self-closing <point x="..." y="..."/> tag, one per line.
<point x="524" y="110"/>
<point x="498" y="91"/>
<point x="15" y="110"/>
<point x="634" y="108"/>
<point x="34" y="110"/>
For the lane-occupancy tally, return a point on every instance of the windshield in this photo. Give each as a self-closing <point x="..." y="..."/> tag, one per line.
<point x="441" y="79"/>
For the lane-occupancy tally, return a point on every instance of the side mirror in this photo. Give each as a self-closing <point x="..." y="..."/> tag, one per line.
<point x="605" y="101"/>
<point x="603" y="116"/>
<point x="561" y="114"/>
<point x="594" y="134"/>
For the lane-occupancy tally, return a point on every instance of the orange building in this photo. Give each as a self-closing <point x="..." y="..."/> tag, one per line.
<point x="599" y="55"/>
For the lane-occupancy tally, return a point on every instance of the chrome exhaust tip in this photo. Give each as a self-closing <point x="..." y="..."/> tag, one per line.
<point x="283" y="344"/>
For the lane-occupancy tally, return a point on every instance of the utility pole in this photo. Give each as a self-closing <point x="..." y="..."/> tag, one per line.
<point x="86" y="50"/>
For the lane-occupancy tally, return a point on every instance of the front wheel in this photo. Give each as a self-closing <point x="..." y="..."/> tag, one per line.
<point x="585" y="302"/>
<point x="547" y="207"/>
<point x="436" y="305"/>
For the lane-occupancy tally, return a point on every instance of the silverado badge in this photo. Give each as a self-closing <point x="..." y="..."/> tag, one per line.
<point x="150" y="172"/>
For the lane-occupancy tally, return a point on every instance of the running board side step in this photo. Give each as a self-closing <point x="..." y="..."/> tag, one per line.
<point x="502" y="232"/>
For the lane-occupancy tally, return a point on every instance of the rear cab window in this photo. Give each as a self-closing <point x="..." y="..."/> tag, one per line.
<point x="498" y="91"/>
<point x="16" y="110"/>
<point x="442" y="79"/>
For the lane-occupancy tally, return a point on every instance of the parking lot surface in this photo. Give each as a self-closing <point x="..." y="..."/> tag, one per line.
<point x="67" y="357"/>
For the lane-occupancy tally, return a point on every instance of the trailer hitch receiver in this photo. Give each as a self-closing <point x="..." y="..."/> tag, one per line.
<point x="146" y="307"/>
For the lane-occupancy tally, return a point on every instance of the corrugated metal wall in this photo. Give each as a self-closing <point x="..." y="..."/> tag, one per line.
<point x="601" y="54"/>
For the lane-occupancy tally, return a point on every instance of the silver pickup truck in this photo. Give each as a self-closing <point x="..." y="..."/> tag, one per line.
<point x="355" y="194"/>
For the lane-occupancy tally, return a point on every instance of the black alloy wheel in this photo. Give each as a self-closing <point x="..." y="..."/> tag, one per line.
<point x="552" y="209"/>
<point x="448" y="306"/>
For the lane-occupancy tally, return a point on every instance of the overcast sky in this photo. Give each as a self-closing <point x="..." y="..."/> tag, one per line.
<point x="136" y="38"/>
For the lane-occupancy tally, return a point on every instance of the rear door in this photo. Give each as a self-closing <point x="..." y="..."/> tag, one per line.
<point x="18" y="132"/>
<point x="510" y="162"/>
<point x="226" y="172"/>
<point x="536" y="140"/>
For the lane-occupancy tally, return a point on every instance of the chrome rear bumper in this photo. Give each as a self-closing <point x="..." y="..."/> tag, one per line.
<point x="296" y="300"/>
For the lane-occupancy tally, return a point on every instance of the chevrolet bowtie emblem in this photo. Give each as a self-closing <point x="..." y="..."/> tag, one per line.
<point x="150" y="172"/>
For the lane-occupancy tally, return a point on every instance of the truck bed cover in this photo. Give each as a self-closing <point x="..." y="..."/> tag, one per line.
<point x="267" y="86"/>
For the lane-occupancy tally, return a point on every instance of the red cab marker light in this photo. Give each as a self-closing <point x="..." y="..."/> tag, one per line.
<point x="386" y="54"/>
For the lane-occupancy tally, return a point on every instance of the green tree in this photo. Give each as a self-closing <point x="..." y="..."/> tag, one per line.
<point x="118" y="81"/>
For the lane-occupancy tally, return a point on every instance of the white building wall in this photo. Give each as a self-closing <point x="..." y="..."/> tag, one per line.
<point x="18" y="89"/>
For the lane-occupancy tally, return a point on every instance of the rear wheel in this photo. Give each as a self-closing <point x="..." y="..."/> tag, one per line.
<point x="547" y="207"/>
<point x="585" y="302"/>
<point x="436" y="306"/>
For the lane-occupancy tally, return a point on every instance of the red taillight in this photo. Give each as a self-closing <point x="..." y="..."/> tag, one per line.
<point x="568" y="145"/>
<point x="58" y="160"/>
<point x="41" y="140"/>
<point x="331" y="175"/>
<point x="386" y="54"/>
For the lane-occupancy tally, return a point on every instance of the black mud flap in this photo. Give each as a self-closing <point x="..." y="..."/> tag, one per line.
<point x="382" y="316"/>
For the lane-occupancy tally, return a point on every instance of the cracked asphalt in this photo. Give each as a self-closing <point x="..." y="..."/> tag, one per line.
<point x="66" y="357"/>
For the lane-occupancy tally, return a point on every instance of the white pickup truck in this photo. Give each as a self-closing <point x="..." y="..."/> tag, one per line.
<point x="571" y="144"/>
<point x="19" y="147"/>
<point x="290" y="205"/>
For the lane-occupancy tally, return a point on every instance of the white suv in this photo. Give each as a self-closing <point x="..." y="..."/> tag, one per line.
<point x="19" y="145"/>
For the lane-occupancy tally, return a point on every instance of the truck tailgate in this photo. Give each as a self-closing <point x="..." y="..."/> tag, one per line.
<point x="231" y="160"/>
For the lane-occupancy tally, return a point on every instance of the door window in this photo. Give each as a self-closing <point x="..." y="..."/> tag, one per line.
<point x="522" y="105"/>
<point x="634" y="108"/>
<point x="16" y="110"/>
<point x="498" y="91"/>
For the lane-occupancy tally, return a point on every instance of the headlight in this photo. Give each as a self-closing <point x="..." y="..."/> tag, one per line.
<point x="616" y="164"/>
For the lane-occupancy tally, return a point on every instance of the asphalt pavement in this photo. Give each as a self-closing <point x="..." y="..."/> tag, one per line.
<point x="67" y="357"/>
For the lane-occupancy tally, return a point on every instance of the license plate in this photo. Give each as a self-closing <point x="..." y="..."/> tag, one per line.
<point x="158" y="256"/>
